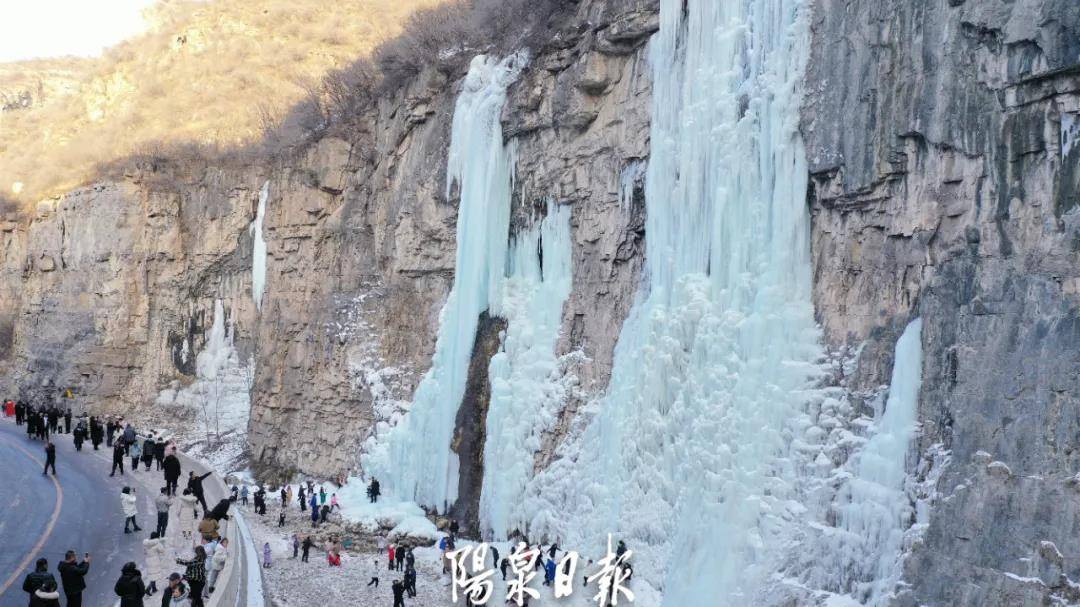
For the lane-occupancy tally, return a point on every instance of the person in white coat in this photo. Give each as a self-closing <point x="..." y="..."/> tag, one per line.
<point x="217" y="563"/>
<point x="157" y="559"/>
<point x="186" y="522"/>
<point x="129" y="503"/>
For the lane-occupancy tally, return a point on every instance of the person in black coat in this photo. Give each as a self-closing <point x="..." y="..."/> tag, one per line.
<point x="399" y="593"/>
<point x="96" y="433"/>
<point x="37" y="577"/>
<point x="46" y="596"/>
<point x="67" y="421"/>
<point x="79" y="435"/>
<point x="159" y="453"/>
<point x="195" y="484"/>
<point x="118" y="458"/>
<point x="72" y="576"/>
<point x="149" y="447"/>
<point x="220" y="511"/>
<point x="171" y="468"/>
<point x="130" y="587"/>
<point x="50" y="458"/>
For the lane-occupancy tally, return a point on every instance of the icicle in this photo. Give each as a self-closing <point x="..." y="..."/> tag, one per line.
<point x="686" y="457"/>
<point x="258" y="248"/>
<point x="878" y="511"/>
<point x="414" y="461"/>
<point x="526" y="387"/>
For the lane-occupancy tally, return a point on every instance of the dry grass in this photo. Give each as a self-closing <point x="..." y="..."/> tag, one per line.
<point x="207" y="76"/>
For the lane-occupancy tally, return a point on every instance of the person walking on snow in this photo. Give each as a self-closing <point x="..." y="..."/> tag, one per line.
<point x="50" y="458"/>
<point x="129" y="503"/>
<point x="399" y="593"/>
<point x="373" y="490"/>
<point x="390" y="556"/>
<point x="334" y="502"/>
<point x="314" y="511"/>
<point x="306" y="547"/>
<point x="374" y="573"/>
<point x="267" y="560"/>
<point x="303" y="499"/>
<point x="244" y="495"/>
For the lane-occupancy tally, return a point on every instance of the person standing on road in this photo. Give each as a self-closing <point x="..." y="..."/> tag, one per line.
<point x="148" y="449"/>
<point x="159" y="452"/>
<point x="46" y="596"/>
<point x="38" y="577"/>
<point x="171" y="469"/>
<point x="118" y="458"/>
<point x="50" y="458"/>
<point x="163" y="503"/>
<point x="96" y="432"/>
<point x="72" y="575"/>
<point x="135" y="451"/>
<point x="129" y="437"/>
<point x="79" y="436"/>
<point x="130" y="587"/>
<point x="130" y="505"/>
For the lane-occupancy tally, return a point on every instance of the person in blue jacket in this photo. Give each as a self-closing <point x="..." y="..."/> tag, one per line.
<point x="314" y="510"/>
<point x="549" y="572"/>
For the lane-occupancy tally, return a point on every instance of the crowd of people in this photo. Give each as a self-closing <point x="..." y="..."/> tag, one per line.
<point x="183" y="567"/>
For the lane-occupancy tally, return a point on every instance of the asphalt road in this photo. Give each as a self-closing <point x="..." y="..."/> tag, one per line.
<point x="39" y="519"/>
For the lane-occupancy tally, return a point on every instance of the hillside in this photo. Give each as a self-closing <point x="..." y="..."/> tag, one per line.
<point x="204" y="72"/>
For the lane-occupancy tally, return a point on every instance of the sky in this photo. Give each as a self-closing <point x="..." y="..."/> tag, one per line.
<point x="50" y="28"/>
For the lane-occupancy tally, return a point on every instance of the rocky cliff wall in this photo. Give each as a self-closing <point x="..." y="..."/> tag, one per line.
<point x="944" y="186"/>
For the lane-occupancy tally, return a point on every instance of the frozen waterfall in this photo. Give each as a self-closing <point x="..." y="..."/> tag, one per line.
<point x="258" y="248"/>
<point x="878" y="511"/>
<point x="527" y="387"/>
<point x="686" y="455"/>
<point x="414" y="460"/>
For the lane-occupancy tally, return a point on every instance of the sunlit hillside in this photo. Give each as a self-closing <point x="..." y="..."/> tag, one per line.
<point x="205" y="71"/>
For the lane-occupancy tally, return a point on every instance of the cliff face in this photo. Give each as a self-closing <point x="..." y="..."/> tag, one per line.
<point x="945" y="185"/>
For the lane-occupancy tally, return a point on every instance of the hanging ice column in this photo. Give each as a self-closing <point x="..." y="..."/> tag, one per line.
<point x="527" y="389"/>
<point x="414" y="461"/>
<point x="258" y="248"/>
<point x="878" y="511"/>
<point x="686" y="455"/>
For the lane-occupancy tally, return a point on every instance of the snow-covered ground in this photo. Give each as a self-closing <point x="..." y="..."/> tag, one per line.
<point x="292" y="583"/>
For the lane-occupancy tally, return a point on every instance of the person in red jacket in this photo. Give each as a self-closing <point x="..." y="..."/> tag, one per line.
<point x="390" y="553"/>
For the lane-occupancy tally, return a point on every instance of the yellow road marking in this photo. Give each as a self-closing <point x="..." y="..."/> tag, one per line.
<point x="25" y="564"/>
